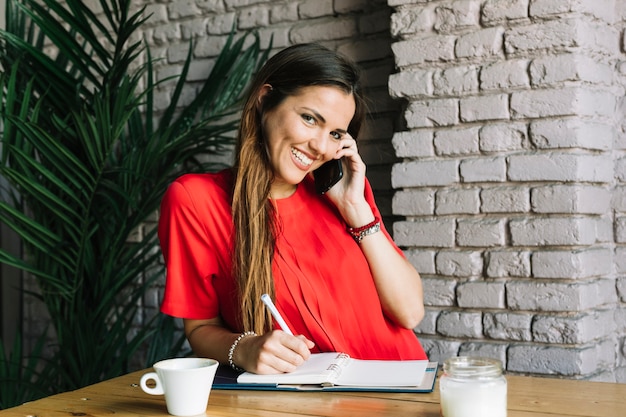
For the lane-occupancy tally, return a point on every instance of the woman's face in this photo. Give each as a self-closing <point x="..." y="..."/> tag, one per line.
<point x="303" y="132"/>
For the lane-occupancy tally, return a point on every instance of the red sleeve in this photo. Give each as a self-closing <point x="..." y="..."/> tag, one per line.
<point x="189" y="260"/>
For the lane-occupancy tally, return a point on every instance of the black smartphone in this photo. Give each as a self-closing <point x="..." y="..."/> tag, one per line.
<point x="327" y="175"/>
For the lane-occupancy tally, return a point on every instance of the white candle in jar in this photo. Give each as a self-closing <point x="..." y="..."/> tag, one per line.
<point x="473" y="387"/>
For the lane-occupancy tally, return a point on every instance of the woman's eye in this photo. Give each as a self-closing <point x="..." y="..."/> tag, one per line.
<point x="308" y="119"/>
<point x="336" y="135"/>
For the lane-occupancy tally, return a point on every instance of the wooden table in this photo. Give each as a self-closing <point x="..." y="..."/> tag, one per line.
<point x="528" y="397"/>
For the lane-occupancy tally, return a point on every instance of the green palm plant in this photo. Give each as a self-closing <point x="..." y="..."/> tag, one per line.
<point x="86" y="159"/>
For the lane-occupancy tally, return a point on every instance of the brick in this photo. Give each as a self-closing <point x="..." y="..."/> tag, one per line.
<point x="206" y="47"/>
<point x="415" y="83"/>
<point x="486" y="349"/>
<point x="498" y="11"/>
<point x="421" y="173"/>
<point x="553" y="231"/>
<point x="221" y="24"/>
<point x="560" y="167"/>
<point x="572" y="264"/>
<point x="505" y="200"/>
<point x="365" y="50"/>
<point x="199" y="70"/>
<point x="547" y="35"/>
<point x="485" y="43"/>
<point x="428" y="325"/>
<point x="556" y="360"/>
<point x="284" y="13"/>
<point x="483" y="170"/>
<point x="571" y="133"/>
<point x="422" y="260"/>
<point x="551" y="70"/>
<point x="456" y="15"/>
<point x="165" y="34"/>
<point x="195" y="29"/>
<point x="570" y="199"/>
<point x="412" y="20"/>
<point x="502" y="75"/>
<point x="375" y="76"/>
<point x="620" y="169"/>
<point x="485" y="232"/>
<point x="577" y="329"/>
<point x="508" y="326"/>
<point x="620" y="229"/>
<point x="377" y="22"/>
<point x="621" y="289"/>
<point x="414" y="202"/>
<point x="460" y="324"/>
<point x="253" y="17"/>
<point x="347" y="6"/>
<point x="310" y="9"/>
<point x="456" y="141"/>
<point x="567" y="101"/>
<point x="480" y="108"/>
<point x="429" y="113"/>
<point x="559" y="296"/>
<point x="414" y="143"/>
<point x="457" y="201"/>
<point x="430" y="48"/>
<point x="503" y="137"/>
<point x="211" y="6"/>
<point x="620" y="260"/>
<point x="235" y="4"/>
<point x="435" y="233"/>
<point x="507" y="263"/>
<point x="157" y="13"/>
<point x="439" y="292"/>
<point x="279" y="37"/>
<point x="456" y="81"/>
<point x="459" y="264"/>
<point x="603" y="9"/>
<point x="480" y="294"/>
<point x="182" y="8"/>
<point x="438" y="349"/>
<point x="337" y="28"/>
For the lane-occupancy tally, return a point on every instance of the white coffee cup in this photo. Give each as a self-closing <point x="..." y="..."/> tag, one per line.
<point x="185" y="382"/>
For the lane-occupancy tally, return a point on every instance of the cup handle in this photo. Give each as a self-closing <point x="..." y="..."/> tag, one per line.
<point x="157" y="389"/>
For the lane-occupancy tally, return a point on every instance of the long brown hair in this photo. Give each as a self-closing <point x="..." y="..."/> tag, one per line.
<point x="254" y="218"/>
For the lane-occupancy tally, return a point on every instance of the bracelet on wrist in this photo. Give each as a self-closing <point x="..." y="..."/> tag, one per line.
<point x="231" y="351"/>
<point x="358" y="233"/>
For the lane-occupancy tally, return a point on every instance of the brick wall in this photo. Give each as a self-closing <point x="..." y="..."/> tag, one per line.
<point x="513" y="179"/>
<point x="497" y="149"/>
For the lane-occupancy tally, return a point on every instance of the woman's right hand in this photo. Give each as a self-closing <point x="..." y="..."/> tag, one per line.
<point x="272" y="353"/>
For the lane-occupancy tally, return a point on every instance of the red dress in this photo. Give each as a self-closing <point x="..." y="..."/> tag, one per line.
<point x="324" y="288"/>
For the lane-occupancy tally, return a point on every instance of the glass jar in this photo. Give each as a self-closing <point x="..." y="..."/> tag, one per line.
<point x="471" y="387"/>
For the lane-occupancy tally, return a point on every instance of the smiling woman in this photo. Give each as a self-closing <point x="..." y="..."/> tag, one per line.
<point x="334" y="272"/>
<point x="304" y="131"/>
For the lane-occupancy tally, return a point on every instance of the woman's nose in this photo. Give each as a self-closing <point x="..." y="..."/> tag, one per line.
<point x="320" y="143"/>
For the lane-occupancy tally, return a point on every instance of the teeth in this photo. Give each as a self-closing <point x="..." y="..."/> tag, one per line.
<point x="301" y="157"/>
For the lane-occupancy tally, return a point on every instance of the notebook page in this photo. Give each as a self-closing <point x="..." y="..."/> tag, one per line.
<point x="319" y="369"/>
<point x="365" y="373"/>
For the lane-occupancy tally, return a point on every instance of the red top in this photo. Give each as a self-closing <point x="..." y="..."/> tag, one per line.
<point x="323" y="284"/>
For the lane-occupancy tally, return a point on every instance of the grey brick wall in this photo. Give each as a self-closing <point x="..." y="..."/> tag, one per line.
<point x="497" y="149"/>
<point x="512" y="179"/>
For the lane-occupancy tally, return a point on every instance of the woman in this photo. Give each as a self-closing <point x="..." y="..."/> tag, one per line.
<point x="335" y="274"/>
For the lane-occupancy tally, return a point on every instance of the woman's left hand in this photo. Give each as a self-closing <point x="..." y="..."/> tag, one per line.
<point x="349" y="193"/>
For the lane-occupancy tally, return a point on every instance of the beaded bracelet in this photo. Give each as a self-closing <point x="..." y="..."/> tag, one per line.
<point x="231" y="351"/>
<point x="358" y="233"/>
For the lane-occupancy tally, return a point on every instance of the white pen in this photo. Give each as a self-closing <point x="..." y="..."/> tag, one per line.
<point x="275" y="313"/>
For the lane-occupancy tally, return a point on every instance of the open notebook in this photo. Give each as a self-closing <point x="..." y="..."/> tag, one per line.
<point x="339" y="372"/>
